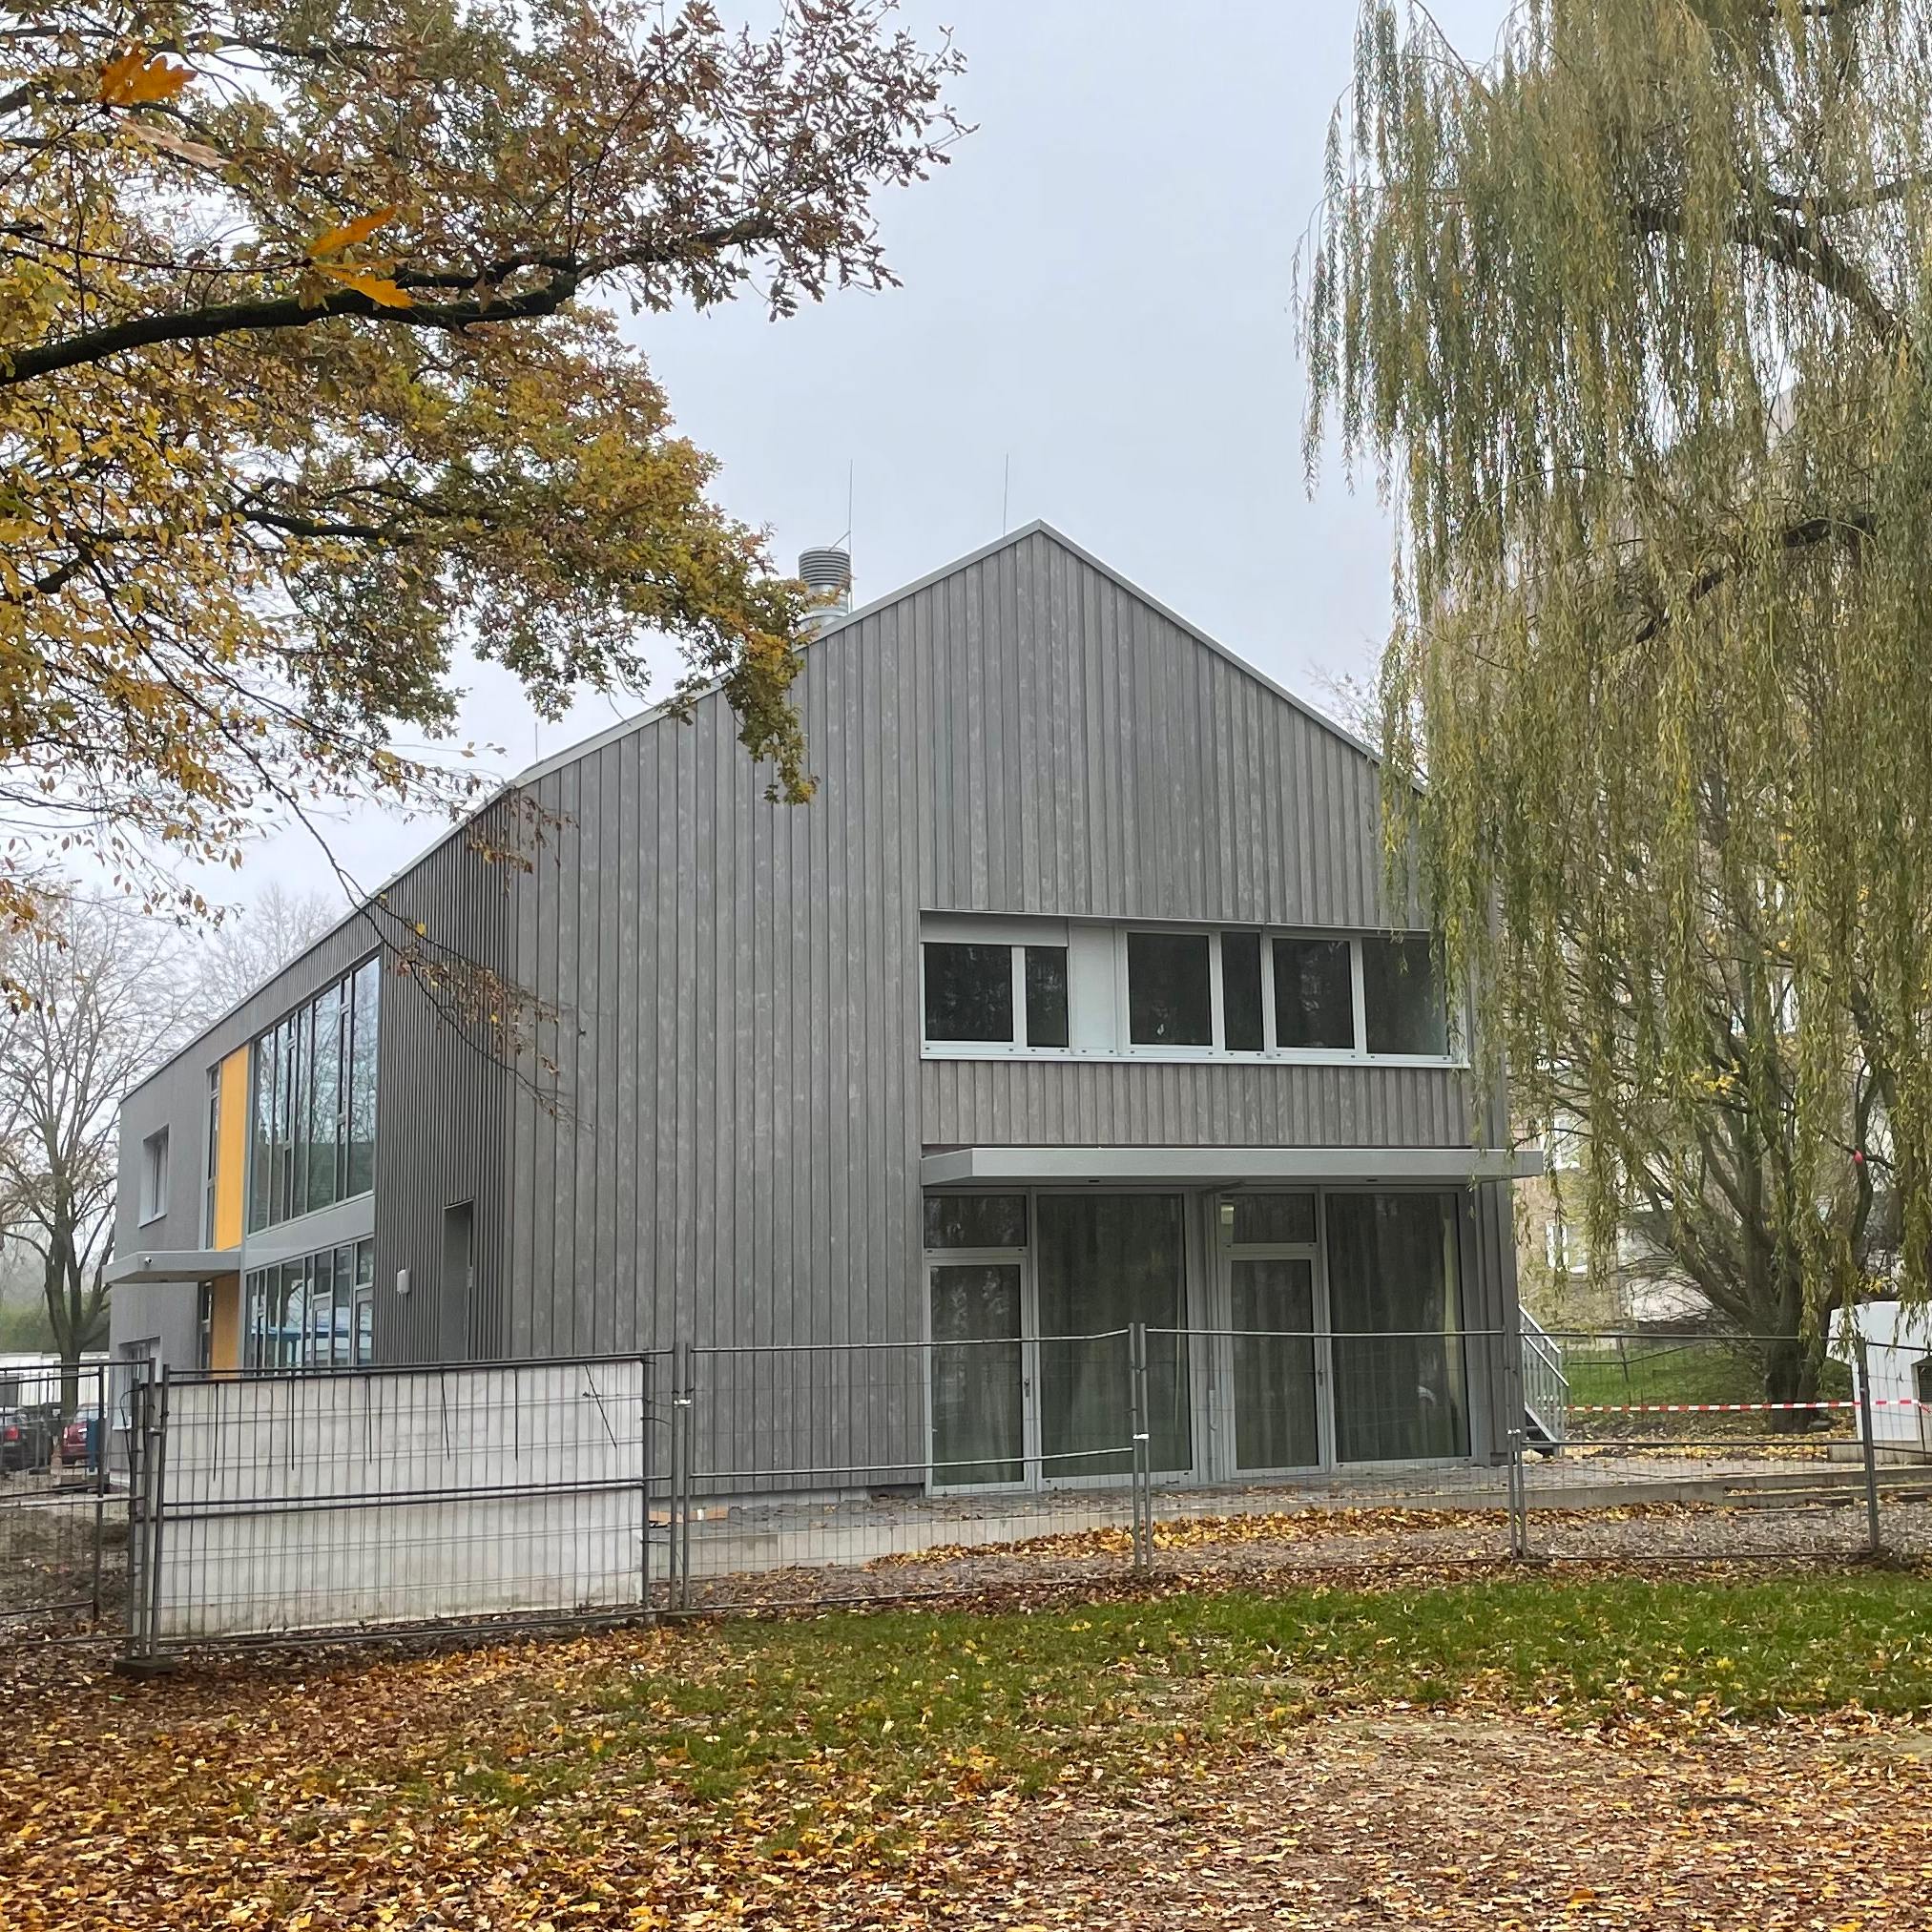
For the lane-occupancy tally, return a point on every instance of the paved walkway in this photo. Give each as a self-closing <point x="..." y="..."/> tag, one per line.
<point x="756" y="1534"/>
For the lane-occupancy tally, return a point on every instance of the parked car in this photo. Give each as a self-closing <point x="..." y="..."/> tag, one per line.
<point x="80" y="1439"/>
<point x="27" y="1439"/>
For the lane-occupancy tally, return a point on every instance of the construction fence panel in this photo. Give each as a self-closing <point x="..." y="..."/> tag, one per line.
<point x="61" y="1535"/>
<point x="850" y="1472"/>
<point x="346" y="1499"/>
<point x="1696" y="1445"/>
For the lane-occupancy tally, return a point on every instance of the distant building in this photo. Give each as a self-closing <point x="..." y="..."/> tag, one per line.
<point x="1555" y="1276"/>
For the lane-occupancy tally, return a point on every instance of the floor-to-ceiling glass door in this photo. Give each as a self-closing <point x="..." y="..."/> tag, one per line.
<point x="979" y="1384"/>
<point x="1335" y="1318"/>
<point x="1103" y="1261"/>
<point x="1272" y="1363"/>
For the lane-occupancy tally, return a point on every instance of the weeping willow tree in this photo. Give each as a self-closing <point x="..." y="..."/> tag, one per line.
<point x="1632" y="320"/>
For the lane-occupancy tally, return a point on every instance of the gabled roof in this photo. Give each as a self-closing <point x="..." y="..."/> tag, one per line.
<point x="613" y="734"/>
<point x="623" y="728"/>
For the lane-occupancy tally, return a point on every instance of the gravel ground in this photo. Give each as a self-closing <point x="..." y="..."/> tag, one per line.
<point x="46" y="1549"/>
<point x="46" y="1545"/>
<point x="1367" y="1539"/>
<point x="1407" y="1819"/>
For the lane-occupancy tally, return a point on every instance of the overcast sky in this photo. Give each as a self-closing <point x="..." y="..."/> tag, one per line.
<point x="1096" y="300"/>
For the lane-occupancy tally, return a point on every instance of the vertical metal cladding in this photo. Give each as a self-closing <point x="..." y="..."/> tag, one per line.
<point x="733" y="1158"/>
<point x="727" y="1152"/>
<point x="441" y="1104"/>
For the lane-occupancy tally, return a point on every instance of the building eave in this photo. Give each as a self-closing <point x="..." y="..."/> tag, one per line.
<point x="1224" y="1165"/>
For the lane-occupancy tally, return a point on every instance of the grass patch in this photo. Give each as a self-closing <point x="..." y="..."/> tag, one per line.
<point x="1677" y="1370"/>
<point x="914" y="1707"/>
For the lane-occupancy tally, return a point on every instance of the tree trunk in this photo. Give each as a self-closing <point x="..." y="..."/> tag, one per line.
<point x="1791" y="1367"/>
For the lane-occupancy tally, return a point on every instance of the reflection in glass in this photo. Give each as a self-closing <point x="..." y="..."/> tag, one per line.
<point x="1103" y="1261"/>
<point x="1395" y="1301"/>
<point x="1169" y="1002"/>
<point x="968" y="992"/>
<point x="1272" y="1220"/>
<point x="975" y="1220"/>
<point x="978" y="1404"/>
<point x="1401" y="995"/>
<point x="1241" y="991"/>
<point x="1314" y="994"/>
<point x="1046" y="996"/>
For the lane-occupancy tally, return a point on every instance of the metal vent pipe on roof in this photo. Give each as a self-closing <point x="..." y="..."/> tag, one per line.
<point x="827" y="569"/>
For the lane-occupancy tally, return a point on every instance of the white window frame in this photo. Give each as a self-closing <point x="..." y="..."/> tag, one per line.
<point x="1019" y="933"/>
<point x="154" y="1176"/>
<point x="1358" y="1055"/>
<point x="1561" y="1251"/>
<point x="1016" y="935"/>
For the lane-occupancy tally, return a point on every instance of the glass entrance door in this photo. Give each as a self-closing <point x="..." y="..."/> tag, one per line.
<point x="979" y="1382"/>
<point x="1102" y="1263"/>
<point x="1272" y="1314"/>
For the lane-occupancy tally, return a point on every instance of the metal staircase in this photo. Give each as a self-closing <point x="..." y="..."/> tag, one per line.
<point x="1545" y="1389"/>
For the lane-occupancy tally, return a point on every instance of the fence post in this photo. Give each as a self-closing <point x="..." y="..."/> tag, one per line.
<point x="99" y="1446"/>
<point x="682" y="1398"/>
<point x="147" y="1497"/>
<point x="644" y="1361"/>
<point x="1519" y="1497"/>
<point x="1514" y="1397"/>
<point x="1142" y="1458"/>
<point x="1875" y="1542"/>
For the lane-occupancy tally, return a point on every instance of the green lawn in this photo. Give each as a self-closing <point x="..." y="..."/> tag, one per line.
<point x="901" y="1701"/>
<point x="717" y="1774"/>
<point x="1669" y="1370"/>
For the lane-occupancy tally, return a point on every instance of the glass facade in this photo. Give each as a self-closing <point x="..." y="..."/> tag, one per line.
<point x="1286" y="1329"/>
<point x="312" y="1109"/>
<point x="315" y="1312"/>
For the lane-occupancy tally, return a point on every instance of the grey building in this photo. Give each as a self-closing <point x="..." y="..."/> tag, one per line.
<point x="1073" y="999"/>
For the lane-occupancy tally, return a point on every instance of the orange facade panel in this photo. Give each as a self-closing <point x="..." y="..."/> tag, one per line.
<point x="231" y="1149"/>
<point x="225" y="1324"/>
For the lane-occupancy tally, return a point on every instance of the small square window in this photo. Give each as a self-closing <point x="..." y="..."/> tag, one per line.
<point x="1272" y="1221"/>
<point x="1314" y="994"/>
<point x="155" y="1175"/>
<point x="975" y="1220"/>
<point x="1046" y="996"/>
<point x="1169" y="1000"/>
<point x="968" y="992"/>
<point x="1402" y="994"/>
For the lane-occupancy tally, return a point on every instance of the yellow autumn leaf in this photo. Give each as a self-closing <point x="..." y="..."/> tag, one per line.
<point x="333" y="240"/>
<point x="138" y="78"/>
<point x="379" y="288"/>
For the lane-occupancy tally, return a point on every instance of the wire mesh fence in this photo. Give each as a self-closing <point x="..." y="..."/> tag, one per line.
<point x="714" y="1479"/>
<point x="60" y="1542"/>
<point x="865" y="1471"/>
<point x="1717" y="1446"/>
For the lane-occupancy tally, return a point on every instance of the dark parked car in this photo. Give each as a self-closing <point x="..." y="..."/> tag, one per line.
<point x="27" y="1439"/>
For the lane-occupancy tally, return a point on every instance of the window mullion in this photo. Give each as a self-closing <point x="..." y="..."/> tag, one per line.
<point x="1358" y="997"/>
<point x="1017" y="960"/>
<point x="1217" y="1016"/>
<point x="1270" y="1040"/>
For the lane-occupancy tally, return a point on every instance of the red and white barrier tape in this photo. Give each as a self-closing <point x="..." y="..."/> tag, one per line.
<point x="1732" y="1408"/>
